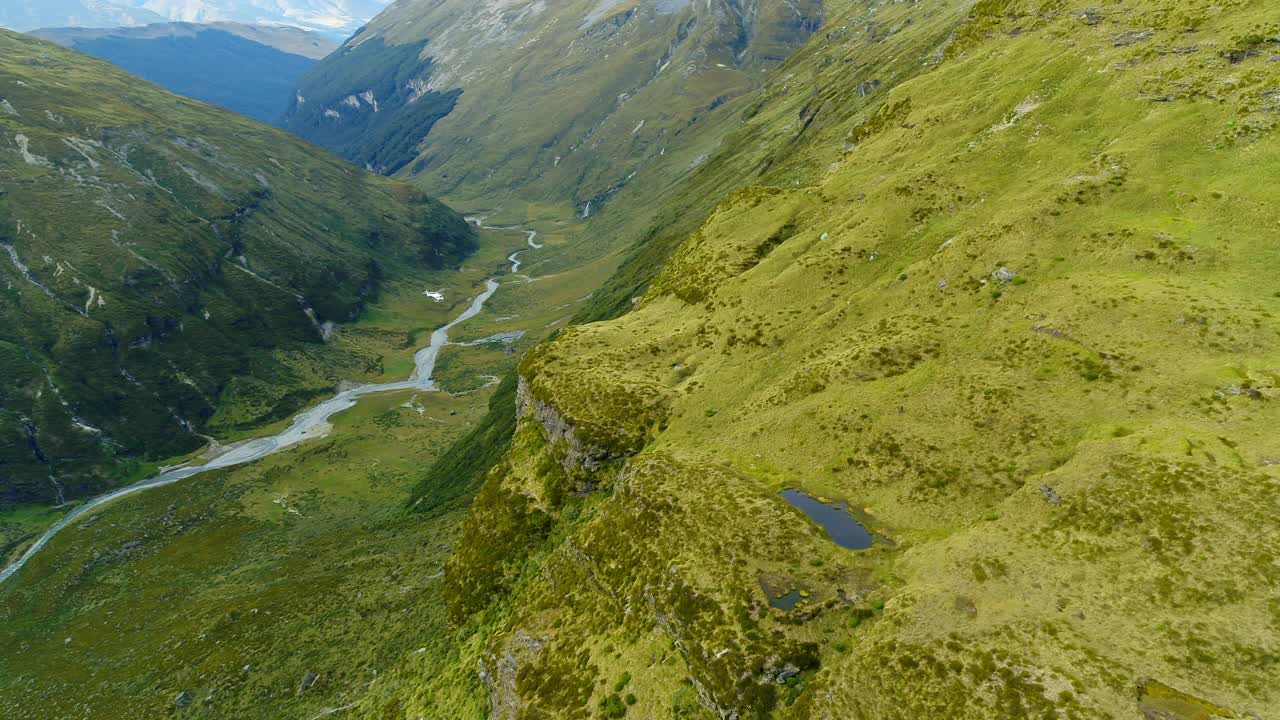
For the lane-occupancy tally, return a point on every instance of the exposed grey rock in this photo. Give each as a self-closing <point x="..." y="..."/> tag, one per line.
<point x="1050" y="495"/>
<point x="1131" y="38"/>
<point x="183" y="699"/>
<point x="558" y="430"/>
<point x="504" y="700"/>
<point x="1090" y="16"/>
<point x="786" y="672"/>
<point x="307" y="681"/>
<point x="1004" y="275"/>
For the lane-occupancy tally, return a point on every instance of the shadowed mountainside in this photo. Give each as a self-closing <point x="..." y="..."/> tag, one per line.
<point x="162" y="260"/>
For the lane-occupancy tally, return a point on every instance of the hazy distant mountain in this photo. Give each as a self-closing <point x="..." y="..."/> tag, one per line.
<point x="336" y="18"/>
<point x="25" y="15"/>
<point x="251" y="69"/>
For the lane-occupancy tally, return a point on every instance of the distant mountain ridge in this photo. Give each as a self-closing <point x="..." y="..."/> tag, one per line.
<point x="335" y="18"/>
<point x="250" y="69"/>
<point x="286" y="39"/>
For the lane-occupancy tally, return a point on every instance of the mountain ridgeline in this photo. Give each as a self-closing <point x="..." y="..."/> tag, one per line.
<point x="162" y="260"/>
<point x="551" y="105"/>
<point x="333" y="18"/>
<point x="249" y="69"/>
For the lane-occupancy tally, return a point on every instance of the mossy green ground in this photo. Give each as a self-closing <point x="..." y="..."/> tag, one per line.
<point x="234" y="586"/>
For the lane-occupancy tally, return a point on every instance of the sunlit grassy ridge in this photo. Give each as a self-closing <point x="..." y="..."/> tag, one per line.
<point x="162" y="261"/>
<point x="996" y="274"/>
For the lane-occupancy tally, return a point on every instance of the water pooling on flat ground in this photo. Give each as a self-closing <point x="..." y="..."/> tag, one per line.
<point x="834" y="518"/>
<point x="310" y="424"/>
<point x="786" y="601"/>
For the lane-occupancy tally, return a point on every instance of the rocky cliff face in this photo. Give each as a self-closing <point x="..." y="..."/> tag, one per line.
<point x="559" y="103"/>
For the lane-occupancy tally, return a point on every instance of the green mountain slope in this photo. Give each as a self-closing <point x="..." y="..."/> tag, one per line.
<point x="554" y="105"/>
<point x="163" y="260"/>
<point x="996" y="275"/>
<point x="990" y="279"/>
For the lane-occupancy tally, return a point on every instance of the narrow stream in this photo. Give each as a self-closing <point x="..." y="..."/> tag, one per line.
<point x="307" y="425"/>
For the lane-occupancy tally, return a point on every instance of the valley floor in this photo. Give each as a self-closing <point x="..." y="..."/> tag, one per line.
<point x="305" y="563"/>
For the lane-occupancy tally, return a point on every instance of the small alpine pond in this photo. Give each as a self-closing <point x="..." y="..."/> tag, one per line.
<point x="834" y="517"/>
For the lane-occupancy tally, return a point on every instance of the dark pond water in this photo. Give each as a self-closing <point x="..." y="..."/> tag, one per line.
<point x="787" y="601"/>
<point x="835" y="519"/>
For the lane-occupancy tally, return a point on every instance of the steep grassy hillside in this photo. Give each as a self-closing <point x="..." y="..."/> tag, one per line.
<point x="161" y="260"/>
<point x="554" y="107"/>
<point x="995" y="275"/>
<point x="251" y="70"/>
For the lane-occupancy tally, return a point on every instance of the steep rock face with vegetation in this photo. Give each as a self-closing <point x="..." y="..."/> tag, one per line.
<point x="553" y="105"/>
<point x="162" y="261"/>
<point x="996" y="275"/>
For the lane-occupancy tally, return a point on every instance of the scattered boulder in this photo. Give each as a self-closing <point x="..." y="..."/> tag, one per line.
<point x="183" y="699"/>
<point x="1004" y="275"/>
<point x="780" y="674"/>
<point x="307" y="681"/>
<point x="1090" y="16"/>
<point x="1050" y="495"/>
<point x="1130" y="38"/>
